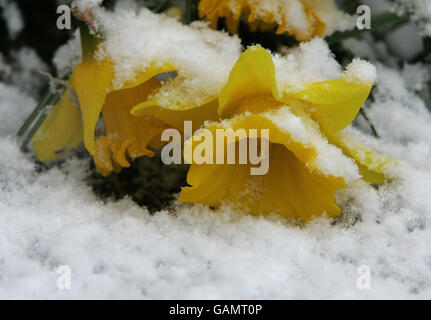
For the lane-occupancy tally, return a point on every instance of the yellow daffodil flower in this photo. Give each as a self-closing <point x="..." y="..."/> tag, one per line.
<point x="309" y="155"/>
<point x="70" y="122"/>
<point x="296" y="17"/>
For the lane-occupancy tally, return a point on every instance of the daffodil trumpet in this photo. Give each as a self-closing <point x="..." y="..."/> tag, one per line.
<point x="305" y="136"/>
<point x="219" y="146"/>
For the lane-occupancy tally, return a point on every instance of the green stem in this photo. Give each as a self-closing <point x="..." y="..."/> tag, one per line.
<point x="373" y="129"/>
<point x="161" y="6"/>
<point x="110" y="4"/>
<point x="50" y="99"/>
<point x="189" y="9"/>
<point x="34" y="130"/>
<point x="41" y="105"/>
<point x="89" y="42"/>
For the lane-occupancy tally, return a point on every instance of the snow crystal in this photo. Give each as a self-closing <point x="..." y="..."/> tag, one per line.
<point x="330" y="160"/>
<point x="203" y="57"/>
<point x="289" y="122"/>
<point x="11" y="119"/>
<point x="13" y="18"/>
<point x="25" y="71"/>
<point x="311" y="62"/>
<point x="68" y="56"/>
<point x="360" y="71"/>
<point x="334" y="19"/>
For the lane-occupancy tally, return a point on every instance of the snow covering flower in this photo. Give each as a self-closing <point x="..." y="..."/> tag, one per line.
<point x="112" y="80"/>
<point x="303" y="18"/>
<point x="309" y="156"/>
<point x="125" y="136"/>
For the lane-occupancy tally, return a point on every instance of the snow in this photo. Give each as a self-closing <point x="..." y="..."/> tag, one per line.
<point x="68" y="56"/>
<point x="421" y="13"/>
<point x="311" y="62"/>
<point x="334" y="19"/>
<point x="24" y="71"/>
<point x="294" y="12"/>
<point x="13" y="18"/>
<point x="119" y="250"/>
<point x="404" y="40"/>
<point x="411" y="44"/>
<point x="116" y="249"/>
<point x="203" y="57"/>
<point x="360" y="71"/>
<point x="329" y="160"/>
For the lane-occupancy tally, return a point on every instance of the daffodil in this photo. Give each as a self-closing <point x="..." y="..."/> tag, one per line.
<point x="99" y="88"/>
<point x="310" y="155"/>
<point x="303" y="18"/>
<point x="74" y="119"/>
<point x="126" y="136"/>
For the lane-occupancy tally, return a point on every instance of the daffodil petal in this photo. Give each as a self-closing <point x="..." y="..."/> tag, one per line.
<point x="150" y="72"/>
<point x="288" y="189"/>
<point x="91" y="81"/>
<point x="60" y="132"/>
<point x="126" y="135"/>
<point x="333" y="103"/>
<point x="304" y="152"/>
<point x="298" y="133"/>
<point x="175" y="118"/>
<point x="253" y="74"/>
<point x="294" y="186"/>
<point x="374" y="167"/>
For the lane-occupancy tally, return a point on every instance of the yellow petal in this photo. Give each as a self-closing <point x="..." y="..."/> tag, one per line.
<point x="288" y="189"/>
<point x="60" y="132"/>
<point x="175" y="118"/>
<point x="153" y="70"/>
<point x="126" y="135"/>
<point x="333" y="103"/>
<point x="253" y="74"/>
<point x="293" y="186"/>
<point x="91" y="81"/>
<point x="304" y="152"/>
<point x="374" y="167"/>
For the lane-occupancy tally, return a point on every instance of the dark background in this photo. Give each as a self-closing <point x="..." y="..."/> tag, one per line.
<point x="40" y="31"/>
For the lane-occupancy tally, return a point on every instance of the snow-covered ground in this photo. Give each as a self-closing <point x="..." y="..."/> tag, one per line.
<point x="118" y="250"/>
